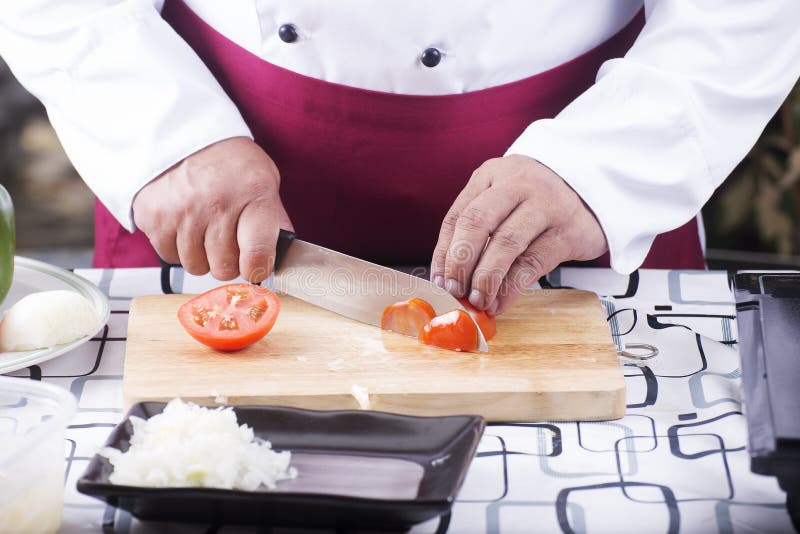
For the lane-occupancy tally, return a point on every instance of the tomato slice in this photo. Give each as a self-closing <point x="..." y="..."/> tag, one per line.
<point x="230" y="317"/>
<point x="407" y="317"/>
<point x="486" y="322"/>
<point x="454" y="330"/>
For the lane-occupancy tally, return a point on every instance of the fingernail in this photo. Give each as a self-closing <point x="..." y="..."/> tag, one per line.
<point x="454" y="287"/>
<point x="439" y="281"/>
<point x="477" y="299"/>
<point x="492" y="309"/>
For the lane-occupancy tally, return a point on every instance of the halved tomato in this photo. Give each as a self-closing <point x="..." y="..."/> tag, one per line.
<point x="486" y="322"/>
<point x="230" y="317"/>
<point x="454" y="330"/>
<point x="407" y="317"/>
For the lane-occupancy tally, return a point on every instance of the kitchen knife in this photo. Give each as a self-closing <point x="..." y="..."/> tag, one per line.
<point x="349" y="286"/>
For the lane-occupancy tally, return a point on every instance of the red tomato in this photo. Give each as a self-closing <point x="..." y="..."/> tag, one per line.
<point x="230" y="317"/>
<point x="486" y="322"/>
<point x="454" y="330"/>
<point x="407" y="317"/>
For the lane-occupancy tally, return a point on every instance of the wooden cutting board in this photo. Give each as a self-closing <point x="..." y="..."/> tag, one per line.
<point x="552" y="359"/>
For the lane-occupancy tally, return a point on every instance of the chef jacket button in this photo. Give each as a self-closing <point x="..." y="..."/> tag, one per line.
<point x="431" y="57"/>
<point x="288" y="33"/>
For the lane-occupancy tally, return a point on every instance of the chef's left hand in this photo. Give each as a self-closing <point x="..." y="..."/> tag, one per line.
<point x="532" y="220"/>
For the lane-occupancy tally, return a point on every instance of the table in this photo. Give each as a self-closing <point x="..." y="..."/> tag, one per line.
<point x="676" y="462"/>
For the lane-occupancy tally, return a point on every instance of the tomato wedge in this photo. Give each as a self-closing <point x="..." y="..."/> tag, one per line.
<point x="230" y="317"/>
<point x="486" y="322"/>
<point x="454" y="330"/>
<point x="407" y="317"/>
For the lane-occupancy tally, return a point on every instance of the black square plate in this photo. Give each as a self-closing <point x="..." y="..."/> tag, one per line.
<point x="356" y="469"/>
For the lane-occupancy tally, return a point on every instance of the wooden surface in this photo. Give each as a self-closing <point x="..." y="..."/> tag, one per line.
<point x="552" y="359"/>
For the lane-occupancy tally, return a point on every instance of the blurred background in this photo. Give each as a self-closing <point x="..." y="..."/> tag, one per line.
<point x="752" y="221"/>
<point x="53" y="207"/>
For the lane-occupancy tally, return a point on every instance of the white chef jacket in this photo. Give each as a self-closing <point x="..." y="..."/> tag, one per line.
<point x="644" y="147"/>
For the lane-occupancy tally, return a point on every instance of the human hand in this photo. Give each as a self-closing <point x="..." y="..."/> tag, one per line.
<point x="532" y="220"/>
<point x="219" y="210"/>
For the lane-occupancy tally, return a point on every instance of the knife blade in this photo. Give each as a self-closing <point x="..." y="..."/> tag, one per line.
<point x="349" y="286"/>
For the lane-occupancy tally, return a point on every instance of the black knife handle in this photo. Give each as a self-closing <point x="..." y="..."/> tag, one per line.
<point x="165" y="264"/>
<point x="285" y="238"/>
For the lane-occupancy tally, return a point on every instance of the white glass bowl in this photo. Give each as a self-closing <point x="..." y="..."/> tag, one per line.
<point x="33" y="418"/>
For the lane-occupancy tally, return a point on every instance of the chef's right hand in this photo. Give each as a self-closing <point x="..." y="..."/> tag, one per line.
<point x="219" y="210"/>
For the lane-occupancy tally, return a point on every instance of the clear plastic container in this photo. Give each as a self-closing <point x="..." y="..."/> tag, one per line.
<point x="33" y="418"/>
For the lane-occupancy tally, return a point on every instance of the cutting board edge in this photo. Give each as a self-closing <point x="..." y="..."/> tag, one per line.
<point x="495" y="406"/>
<point x="613" y="385"/>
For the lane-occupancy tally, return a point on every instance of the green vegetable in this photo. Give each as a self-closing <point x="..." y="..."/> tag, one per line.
<point x="7" y="237"/>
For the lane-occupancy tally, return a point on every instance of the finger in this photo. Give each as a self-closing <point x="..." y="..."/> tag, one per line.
<point x="541" y="257"/>
<point x="478" y="182"/>
<point x="191" y="247"/>
<point x="165" y="245"/>
<point x="511" y="239"/>
<point x="222" y="250"/>
<point x="161" y="233"/>
<point x="476" y="222"/>
<point x="257" y="235"/>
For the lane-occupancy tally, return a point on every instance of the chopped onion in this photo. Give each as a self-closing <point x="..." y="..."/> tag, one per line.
<point x="190" y="446"/>
<point x="361" y="395"/>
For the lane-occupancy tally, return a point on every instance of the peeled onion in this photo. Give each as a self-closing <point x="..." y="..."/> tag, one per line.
<point x="45" y="319"/>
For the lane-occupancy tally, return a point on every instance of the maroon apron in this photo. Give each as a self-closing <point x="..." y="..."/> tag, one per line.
<point x="372" y="174"/>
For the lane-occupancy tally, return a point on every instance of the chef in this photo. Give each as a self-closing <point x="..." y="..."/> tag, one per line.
<point x="497" y="139"/>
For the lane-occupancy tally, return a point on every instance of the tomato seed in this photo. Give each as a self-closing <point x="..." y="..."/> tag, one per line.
<point x="228" y="323"/>
<point x="258" y="310"/>
<point x="200" y="315"/>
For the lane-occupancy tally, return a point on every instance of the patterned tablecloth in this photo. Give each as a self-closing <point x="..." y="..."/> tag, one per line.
<point x="676" y="462"/>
